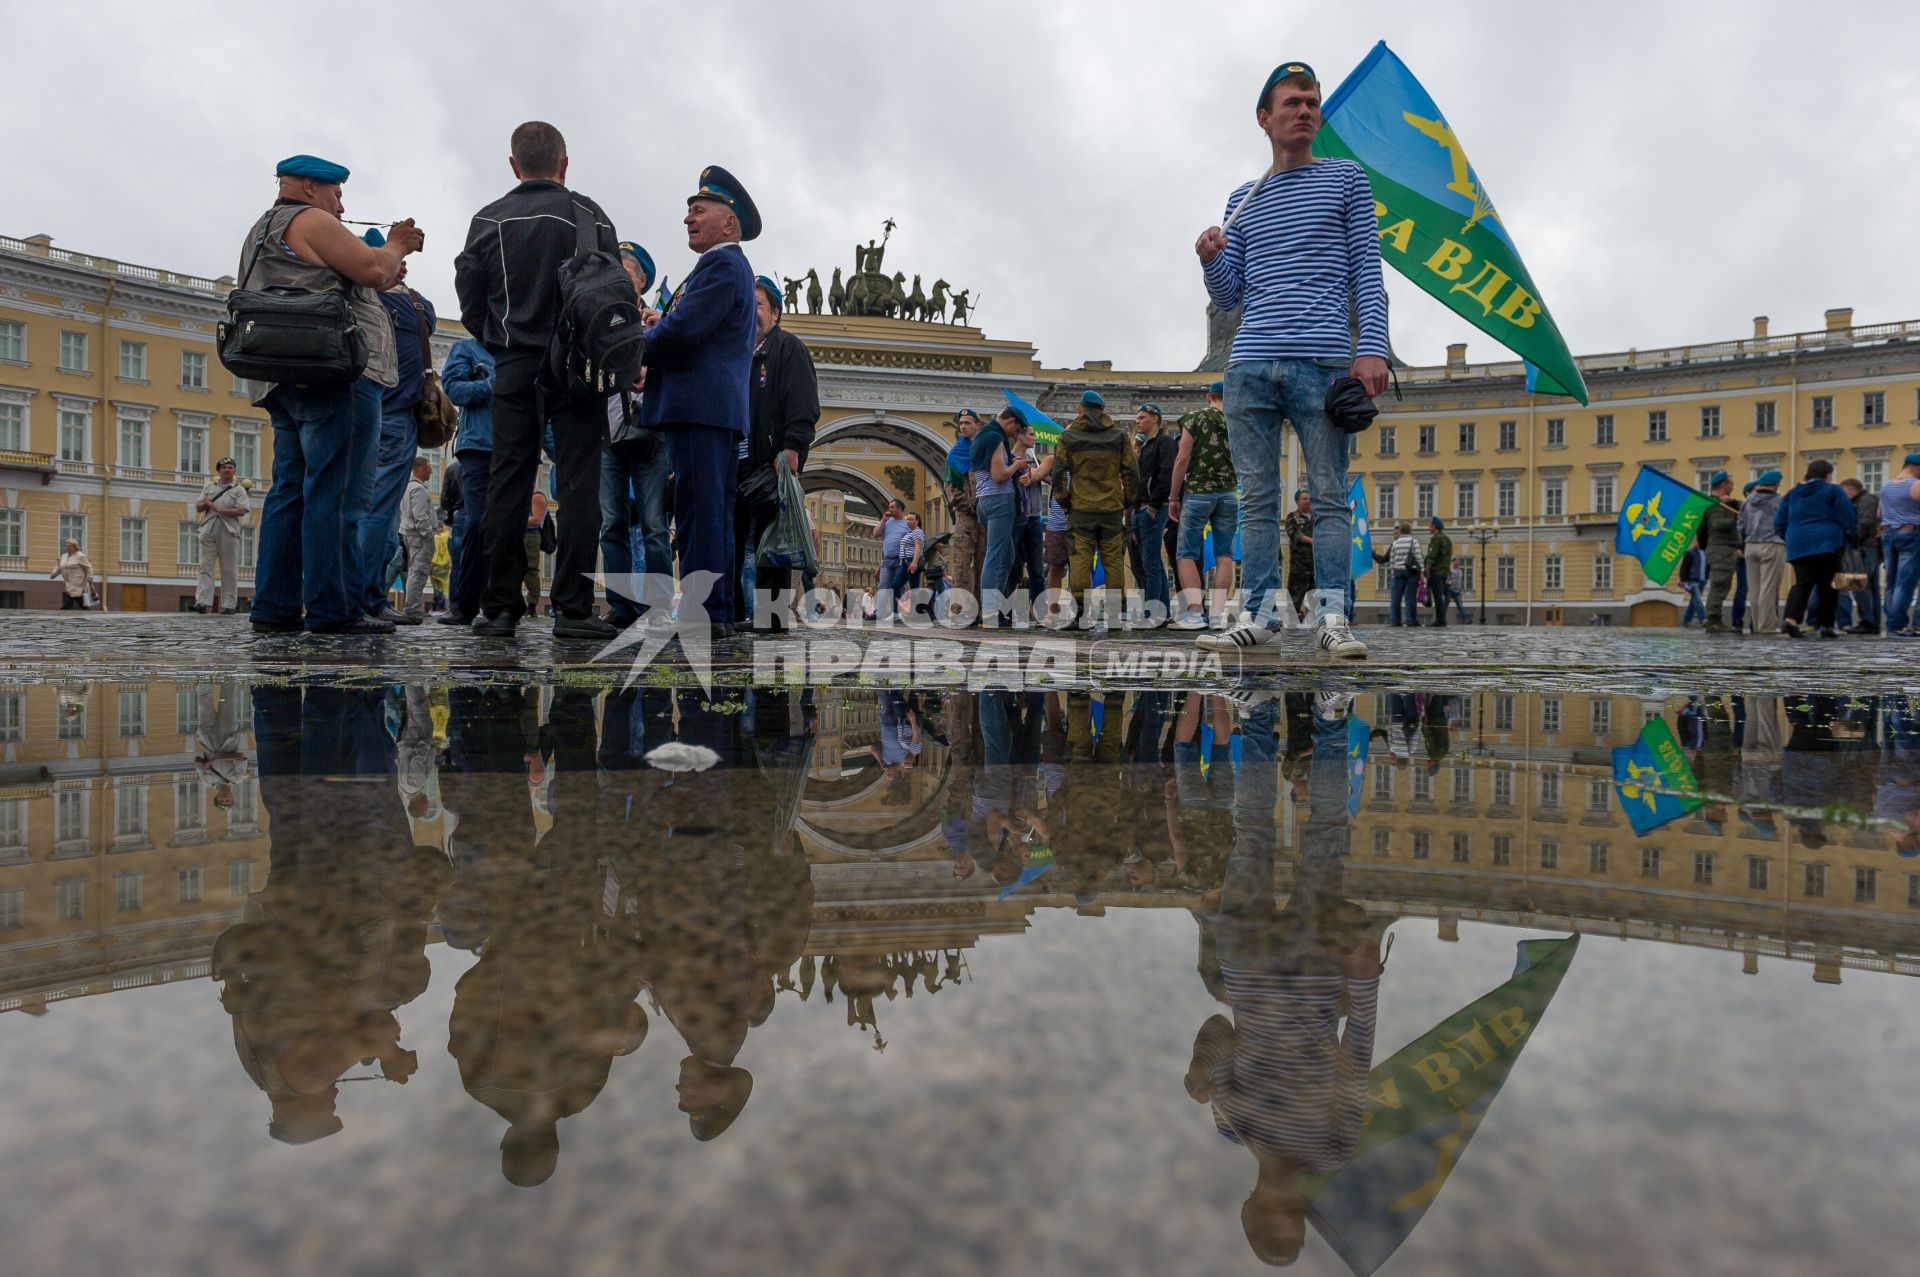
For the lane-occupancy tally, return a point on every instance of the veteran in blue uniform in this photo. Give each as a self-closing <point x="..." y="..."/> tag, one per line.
<point x="699" y="357"/>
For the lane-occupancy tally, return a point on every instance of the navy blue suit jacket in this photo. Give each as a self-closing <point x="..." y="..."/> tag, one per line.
<point x="700" y="354"/>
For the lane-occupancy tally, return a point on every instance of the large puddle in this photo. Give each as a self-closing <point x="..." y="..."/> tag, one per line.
<point x="544" y="979"/>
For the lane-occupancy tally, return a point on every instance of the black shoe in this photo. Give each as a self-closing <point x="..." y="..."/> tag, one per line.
<point x="275" y="627"/>
<point x="197" y="607"/>
<point x="1791" y="629"/>
<point x="583" y="627"/>
<point x="454" y="616"/>
<point x="397" y="617"/>
<point x="621" y="620"/>
<point x="492" y="625"/>
<point x="1827" y="631"/>
<point x="1863" y="628"/>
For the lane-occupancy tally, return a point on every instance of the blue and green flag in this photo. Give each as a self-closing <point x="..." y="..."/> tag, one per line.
<point x="1647" y="774"/>
<point x="1362" y="561"/>
<point x="1045" y="428"/>
<point x="1658" y="522"/>
<point x="1423" y="1106"/>
<point x="1438" y="226"/>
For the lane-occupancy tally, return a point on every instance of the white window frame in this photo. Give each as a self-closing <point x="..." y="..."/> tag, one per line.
<point x="1603" y="571"/>
<point x="188" y="551"/>
<point x="13" y="341"/>
<point x="1657" y="425"/>
<point x="72" y="523"/>
<point x="1506" y="498"/>
<point x="1553" y="498"/>
<point x="71" y="341"/>
<point x="1603" y="435"/>
<point x="1553" y="572"/>
<point x="15" y="424"/>
<point x="1466" y="498"/>
<point x="133" y="539"/>
<point x="1710" y="421"/>
<point x="133" y="360"/>
<point x="1556" y="432"/>
<point x="1766" y="417"/>
<point x="1605" y="493"/>
<point x="13" y="533"/>
<point x="250" y="453"/>
<point x="1387" y="499"/>
<point x="1506" y="574"/>
<point x="72" y="421"/>
<point x="193" y="370"/>
<point x="140" y="426"/>
<point x="1426" y="497"/>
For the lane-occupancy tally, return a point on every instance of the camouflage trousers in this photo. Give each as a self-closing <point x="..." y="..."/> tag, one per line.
<point x="963" y="554"/>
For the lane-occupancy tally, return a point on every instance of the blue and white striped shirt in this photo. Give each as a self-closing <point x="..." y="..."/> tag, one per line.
<point x="1307" y="240"/>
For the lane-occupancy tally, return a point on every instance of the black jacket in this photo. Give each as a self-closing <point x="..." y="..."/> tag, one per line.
<point x="506" y="277"/>
<point x="1156" y="469"/>
<point x="783" y="399"/>
<point x="451" y="498"/>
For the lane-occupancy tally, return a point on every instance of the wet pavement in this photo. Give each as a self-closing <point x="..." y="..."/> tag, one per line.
<point x="422" y="964"/>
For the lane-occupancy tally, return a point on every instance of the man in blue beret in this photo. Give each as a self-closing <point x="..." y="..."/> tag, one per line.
<point x="1720" y="538"/>
<point x="1292" y="249"/>
<point x="699" y="356"/>
<point x="1764" y="552"/>
<point x="633" y="489"/>
<point x="1900" y="539"/>
<point x="305" y="575"/>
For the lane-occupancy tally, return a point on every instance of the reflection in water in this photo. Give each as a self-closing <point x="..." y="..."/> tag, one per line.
<point x="306" y="846"/>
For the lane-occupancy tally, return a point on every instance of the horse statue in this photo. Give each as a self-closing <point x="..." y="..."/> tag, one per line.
<point x="857" y="295"/>
<point x="813" y="291"/>
<point x="937" y="304"/>
<point x="960" y="305"/>
<point x="896" y="303"/>
<point x="837" y="295"/>
<point x="916" y="302"/>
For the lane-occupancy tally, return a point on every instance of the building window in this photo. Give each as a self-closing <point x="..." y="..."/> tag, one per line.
<point x="1756" y="873"/>
<point x="1429" y="440"/>
<point x="73" y="435"/>
<point x="239" y="878"/>
<point x="129" y="890"/>
<point x="1503" y="849"/>
<point x="1509" y="436"/>
<point x="1764" y="421"/>
<point x="193" y="370"/>
<point x="1388" y="441"/>
<point x="133" y="361"/>
<point x="1466" y="577"/>
<point x="13" y="908"/>
<point x="1597" y="857"/>
<point x="1466" y="499"/>
<point x="1597" y="795"/>
<point x="13" y="717"/>
<point x="130" y="811"/>
<point x="73" y="527"/>
<point x="193" y="449"/>
<point x="1422" y="785"/>
<point x="186" y="711"/>
<point x="133" y="540"/>
<point x="1866" y="884"/>
<point x="71" y="724"/>
<point x="1873" y="408"/>
<point x="1353" y="445"/>
<point x="13" y="824"/>
<point x="1462" y="786"/>
<point x="1423" y="846"/>
<point x="73" y="352"/>
<point x="13" y="533"/>
<point x="1603" y="430"/>
<point x="1553" y="498"/>
<point x="1549" y="853"/>
<point x="133" y="442"/>
<point x="1503" y="787"/>
<point x="1389" y="505"/>
<point x="1550" y="786"/>
<point x="1553" y="570"/>
<point x="1873" y="475"/>
<point x="189" y="884"/>
<point x="13" y="427"/>
<point x="1462" y="847"/>
<point x="1600" y="717"/>
<point x="1710" y="421"/>
<point x="1503" y="713"/>
<point x="1383" y="784"/>
<point x="1383" y="842"/>
<point x="1815" y="882"/>
<point x="1506" y="498"/>
<point x="133" y="713"/>
<point x="1556" y="432"/>
<point x="1603" y="571"/>
<point x="1423" y="500"/>
<point x="1603" y="494"/>
<point x="13" y="341"/>
<point x="1505" y="572"/>
<point x="1913" y="891"/>
<point x="1823" y="412"/>
<point x="70" y="899"/>
<point x="1703" y="479"/>
<point x="1657" y="426"/>
<point x="246" y="453"/>
<point x="1649" y="862"/>
<point x="189" y="807"/>
<point x="1467" y="432"/>
<point x="1380" y="582"/>
<point x="189" y="551"/>
<point x="1549" y="717"/>
<point x="1703" y="867"/>
<point x="70" y="815"/>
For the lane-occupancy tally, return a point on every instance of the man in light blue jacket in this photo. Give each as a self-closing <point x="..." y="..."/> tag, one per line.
<point x="468" y="381"/>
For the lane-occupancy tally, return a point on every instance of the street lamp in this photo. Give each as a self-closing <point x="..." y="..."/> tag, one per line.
<point x="1481" y="534"/>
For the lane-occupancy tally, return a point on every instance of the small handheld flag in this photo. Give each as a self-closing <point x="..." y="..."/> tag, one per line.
<point x="1045" y="428"/>
<point x="1362" y="561"/>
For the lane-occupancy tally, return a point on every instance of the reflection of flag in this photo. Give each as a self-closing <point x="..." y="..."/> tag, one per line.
<point x="1359" y="743"/>
<point x="1658" y="521"/>
<point x="1423" y="1106"/>
<point x="1437" y="225"/>
<point x="1045" y="428"/>
<point x="1649" y="765"/>
<point x="1039" y="861"/>
<point x="1362" y="530"/>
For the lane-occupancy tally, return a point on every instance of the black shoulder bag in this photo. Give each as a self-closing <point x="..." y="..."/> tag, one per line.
<point x="290" y="335"/>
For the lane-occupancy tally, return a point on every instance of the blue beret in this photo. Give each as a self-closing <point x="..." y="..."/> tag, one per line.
<point x="1435" y="521"/>
<point x="639" y="255"/>
<point x="1913" y="459"/>
<point x="722" y="187"/>
<point x="311" y="166"/>
<point x="374" y="238"/>
<point x="1751" y="485"/>
<point x="1092" y="399"/>
<point x="1769" y="479"/>
<point x="1153" y="408"/>
<point x="1282" y="72"/>
<point x="765" y="283"/>
<point x="1217" y="388"/>
<point x="1719" y="477"/>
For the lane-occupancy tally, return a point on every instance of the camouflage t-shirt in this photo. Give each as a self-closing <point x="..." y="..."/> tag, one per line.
<point x="1210" y="463"/>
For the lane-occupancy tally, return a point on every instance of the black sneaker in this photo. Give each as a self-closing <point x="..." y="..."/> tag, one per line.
<point x="358" y="625"/>
<point x="454" y="616"/>
<point x="583" y="627"/>
<point x="197" y="607"/>
<point x="275" y="627"/>
<point x="491" y="625"/>
<point x="397" y="617"/>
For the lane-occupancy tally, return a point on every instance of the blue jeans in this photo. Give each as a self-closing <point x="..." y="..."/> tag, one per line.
<point x="626" y="533"/>
<point x="299" y="566"/>
<point x="1219" y="510"/>
<point x="1902" y="551"/>
<point x="399" y="444"/>
<point x="1030" y="557"/>
<point x="1150" y="525"/>
<point x="1259" y="394"/>
<point x="997" y="514"/>
<point x="1453" y="597"/>
<point x="362" y="457"/>
<point x="1405" y="585"/>
<point x="1696" y="602"/>
<point x="469" y="544"/>
<point x="1864" y="559"/>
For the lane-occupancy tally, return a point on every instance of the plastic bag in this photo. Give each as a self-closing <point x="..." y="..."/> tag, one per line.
<point x="787" y="543"/>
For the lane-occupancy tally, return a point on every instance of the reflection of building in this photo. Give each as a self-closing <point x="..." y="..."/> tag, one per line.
<point x="827" y="510"/>
<point x="117" y="868"/>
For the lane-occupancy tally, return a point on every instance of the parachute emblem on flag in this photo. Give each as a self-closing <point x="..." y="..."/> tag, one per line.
<point x="1646" y="518"/>
<point x="1464" y="181"/>
<point x="1638" y="788"/>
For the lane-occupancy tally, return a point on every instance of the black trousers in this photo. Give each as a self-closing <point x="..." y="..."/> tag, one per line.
<point x="747" y="531"/>
<point x="521" y="411"/>
<point x="1814" y="575"/>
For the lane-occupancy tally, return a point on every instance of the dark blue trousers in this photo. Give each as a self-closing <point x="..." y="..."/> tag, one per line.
<point x="703" y="476"/>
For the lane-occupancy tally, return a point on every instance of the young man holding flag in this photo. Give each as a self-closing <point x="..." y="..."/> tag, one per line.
<point x="1294" y="246"/>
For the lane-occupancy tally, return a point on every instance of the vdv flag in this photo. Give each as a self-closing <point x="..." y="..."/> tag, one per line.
<point x="1438" y="226"/>
<point x="1652" y="764"/>
<point x="1658" y="522"/>
<point x="1359" y="745"/>
<point x="1423" y="1106"/>
<point x="1045" y="428"/>
<point x="1362" y="561"/>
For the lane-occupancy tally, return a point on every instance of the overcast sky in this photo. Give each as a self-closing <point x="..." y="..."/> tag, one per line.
<point x="1668" y="170"/>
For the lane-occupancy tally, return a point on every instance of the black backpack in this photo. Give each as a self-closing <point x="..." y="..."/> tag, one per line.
<point x="597" y="344"/>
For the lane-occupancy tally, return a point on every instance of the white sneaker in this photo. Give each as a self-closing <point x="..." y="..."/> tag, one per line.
<point x="1245" y="634"/>
<point x="1332" y="706"/>
<point x="1336" y="639"/>
<point x="1247" y="700"/>
<point x="1192" y="619"/>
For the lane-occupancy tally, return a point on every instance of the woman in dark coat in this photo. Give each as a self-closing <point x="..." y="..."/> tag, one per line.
<point x="1818" y="522"/>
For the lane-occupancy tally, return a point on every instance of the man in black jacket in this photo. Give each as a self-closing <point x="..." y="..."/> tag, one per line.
<point x="510" y="300"/>
<point x="783" y="403"/>
<point x="1156" y="454"/>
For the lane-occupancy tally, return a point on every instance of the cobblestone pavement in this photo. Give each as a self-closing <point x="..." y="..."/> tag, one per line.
<point x="54" y="645"/>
